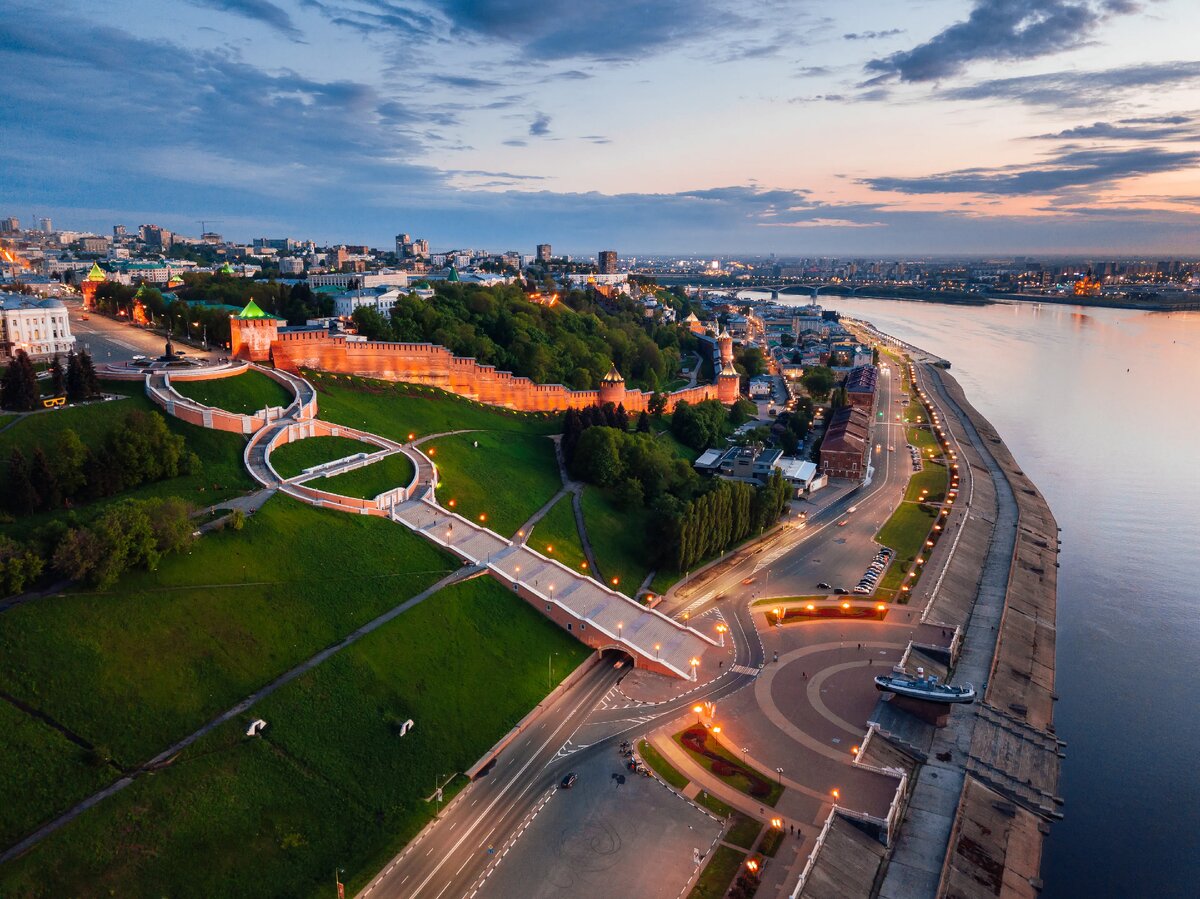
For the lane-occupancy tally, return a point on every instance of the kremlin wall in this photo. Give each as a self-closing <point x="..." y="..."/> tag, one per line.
<point x="259" y="338"/>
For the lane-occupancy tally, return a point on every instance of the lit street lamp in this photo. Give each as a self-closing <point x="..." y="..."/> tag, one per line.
<point x="694" y="663"/>
<point x="721" y="629"/>
<point x="697" y="709"/>
<point x="779" y="776"/>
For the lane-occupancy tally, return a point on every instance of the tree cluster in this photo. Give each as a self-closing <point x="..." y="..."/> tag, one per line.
<point x="128" y="534"/>
<point x="141" y="449"/>
<point x="700" y="425"/>
<point x="819" y="380"/>
<point x="724" y="516"/>
<point x="19" y="391"/>
<point x="573" y="342"/>
<point x="20" y="566"/>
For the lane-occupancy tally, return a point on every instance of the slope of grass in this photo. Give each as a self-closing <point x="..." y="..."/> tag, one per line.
<point x="148" y="662"/>
<point x="397" y="410"/>
<point x="618" y="539"/>
<point x="661" y="766"/>
<point x="293" y="458"/>
<point x="743" y="831"/>
<point x="507" y="477"/>
<point x="557" y="536"/>
<point x="251" y="391"/>
<point x="371" y="480"/>
<point x="40" y="769"/>
<point x="330" y="783"/>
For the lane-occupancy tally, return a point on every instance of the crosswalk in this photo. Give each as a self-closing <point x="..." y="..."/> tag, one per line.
<point x="743" y="669"/>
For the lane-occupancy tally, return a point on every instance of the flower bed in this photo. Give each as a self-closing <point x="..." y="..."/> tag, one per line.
<point x="699" y="743"/>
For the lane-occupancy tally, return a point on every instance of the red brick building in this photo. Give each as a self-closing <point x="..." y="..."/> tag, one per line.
<point x="847" y="442"/>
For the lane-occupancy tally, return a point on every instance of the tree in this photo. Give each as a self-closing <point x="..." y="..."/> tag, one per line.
<point x="20" y="387"/>
<point x="58" y="378"/>
<point x="44" y="481"/>
<point x="76" y="388"/>
<point x="643" y="423"/>
<point x="658" y="404"/>
<point x="70" y="457"/>
<point x="818" y="380"/>
<point x="91" y="383"/>
<point x="77" y="554"/>
<point x="22" y="497"/>
<point x="598" y="457"/>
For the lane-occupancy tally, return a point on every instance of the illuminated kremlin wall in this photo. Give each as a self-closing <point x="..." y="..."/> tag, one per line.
<point x="423" y="363"/>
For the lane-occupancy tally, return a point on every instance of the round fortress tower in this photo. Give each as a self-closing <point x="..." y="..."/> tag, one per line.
<point x="612" y="388"/>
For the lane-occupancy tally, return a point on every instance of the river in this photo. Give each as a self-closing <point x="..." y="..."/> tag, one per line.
<point x="1100" y="407"/>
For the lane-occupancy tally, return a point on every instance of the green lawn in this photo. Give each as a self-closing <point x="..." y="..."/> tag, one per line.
<point x="293" y="458"/>
<point x="923" y="439"/>
<point x="397" y="410"/>
<point x="557" y="536"/>
<point x="330" y="783"/>
<point x="507" y="477"/>
<point x="933" y="478"/>
<point x="41" y="769"/>
<point x="664" y="579"/>
<point x="248" y="392"/>
<point x="718" y="874"/>
<point x="743" y="831"/>
<point x="618" y="539"/>
<point x="713" y="804"/>
<point x="905" y="532"/>
<point x="661" y="766"/>
<point x="371" y="480"/>
<point x="222" y="473"/>
<point x="147" y="663"/>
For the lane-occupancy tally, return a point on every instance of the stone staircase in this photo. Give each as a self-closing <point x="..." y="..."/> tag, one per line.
<point x="1010" y="756"/>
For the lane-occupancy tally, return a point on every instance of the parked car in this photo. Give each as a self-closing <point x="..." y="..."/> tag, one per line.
<point x="824" y="586"/>
<point x="569" y="781"/>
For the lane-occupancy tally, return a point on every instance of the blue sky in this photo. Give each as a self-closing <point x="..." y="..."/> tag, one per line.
<point x="882" y="127"/>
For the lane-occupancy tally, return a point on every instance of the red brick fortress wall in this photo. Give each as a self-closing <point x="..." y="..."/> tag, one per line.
<point x="425" y="363"/>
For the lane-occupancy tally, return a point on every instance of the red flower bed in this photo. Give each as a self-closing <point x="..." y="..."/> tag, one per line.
<point x="696" y="739"/>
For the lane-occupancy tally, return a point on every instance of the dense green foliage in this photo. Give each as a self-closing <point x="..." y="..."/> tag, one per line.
<point x="573" y="342"/>
<point x="19" y="389"/>
<point x="702" y="424"/>
<point x="819" y="380"/>
<point x="129" y="534"/>
<point x="140" y="449"/>
<point x="726" y="515"/>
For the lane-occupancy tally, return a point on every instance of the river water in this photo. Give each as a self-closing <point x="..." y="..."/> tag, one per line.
<point x="1101" y="407"/>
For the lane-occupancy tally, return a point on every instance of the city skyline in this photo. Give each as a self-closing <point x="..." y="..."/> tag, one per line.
<point x="1040" y="126"/>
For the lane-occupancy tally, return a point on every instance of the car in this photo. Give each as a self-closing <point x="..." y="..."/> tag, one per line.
<point x="891" y="449"/>
<point x="843" y="522"/>
<point x="861" y="589"/>
<point x="852" y="510"/>
<point x="824" y="586"/>
<point x="569" y="781"/>
<point x="84" y="316"/>
<point x="841" y="591"/>
<point x="748" y="581"/>
<point x="138" y="358"/>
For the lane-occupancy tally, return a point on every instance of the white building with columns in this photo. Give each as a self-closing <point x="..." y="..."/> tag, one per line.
<point x="38" y="326"/>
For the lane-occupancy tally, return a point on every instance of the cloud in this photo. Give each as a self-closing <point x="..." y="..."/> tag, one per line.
<point x="871" y="35"/>
<point x="1077" y="90"/>
<point x="259" y="10"/>
<point x="1141" y="129"/>
<point x="999" y="30"/>
<point x="540" y="126"/>
<point x="465" y="82"/>
<point x="1072" y="169"/>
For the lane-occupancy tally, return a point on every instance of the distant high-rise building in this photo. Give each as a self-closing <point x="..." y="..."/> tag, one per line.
<point x="403" y="245"/>
<point x="544" y="252"/>
<point x="44" y="224"/>
<point x="421" y="248"/>
<point x="10" y="225"/>
<point x="118" y="232"/>
<point x="608" y="262"/>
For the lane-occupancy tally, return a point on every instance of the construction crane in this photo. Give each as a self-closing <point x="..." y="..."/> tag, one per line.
<point x="204" y="223"/>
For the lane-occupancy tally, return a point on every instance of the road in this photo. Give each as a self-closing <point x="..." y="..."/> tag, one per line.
<point x="114" y="341"/>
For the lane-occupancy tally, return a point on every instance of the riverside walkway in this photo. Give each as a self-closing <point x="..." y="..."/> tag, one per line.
<point x="598" y="616"/>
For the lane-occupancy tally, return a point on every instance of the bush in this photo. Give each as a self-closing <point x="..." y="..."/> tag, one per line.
<point x="237" y="520"/>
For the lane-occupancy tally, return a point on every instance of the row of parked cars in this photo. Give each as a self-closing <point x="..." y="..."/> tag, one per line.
<point x="916" y="457"/>
<point x="875" y="571"/>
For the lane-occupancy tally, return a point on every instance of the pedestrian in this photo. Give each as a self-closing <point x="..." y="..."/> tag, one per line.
<point x="776" y="658"/>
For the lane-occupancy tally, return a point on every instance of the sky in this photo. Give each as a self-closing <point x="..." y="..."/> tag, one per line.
<point x="802" y="128"/>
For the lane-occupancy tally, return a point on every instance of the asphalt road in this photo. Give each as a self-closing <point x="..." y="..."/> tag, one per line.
<point x="113" y="341"/>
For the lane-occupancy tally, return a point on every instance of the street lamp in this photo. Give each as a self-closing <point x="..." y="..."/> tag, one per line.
<point x="619" y="626"/>
<point x="657" y="647"/>
<point x="697" y="709"/>
<point x="694" y="663"/>
<point x="778" y="617"/>
<point x="779" y="776"/>
<point x="836" y="796"/>
<point x="721" y="629"/>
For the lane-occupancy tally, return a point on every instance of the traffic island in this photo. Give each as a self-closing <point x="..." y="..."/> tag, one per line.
<point x="700" y="744"/>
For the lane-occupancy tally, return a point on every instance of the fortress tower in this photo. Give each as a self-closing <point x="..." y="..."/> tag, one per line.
<point x="251" y="333"/>
<point x="725" y="345"/>
<point x="612" y="388"/>
<point x="89" y="284"/>
<point x="729" y="384"/>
